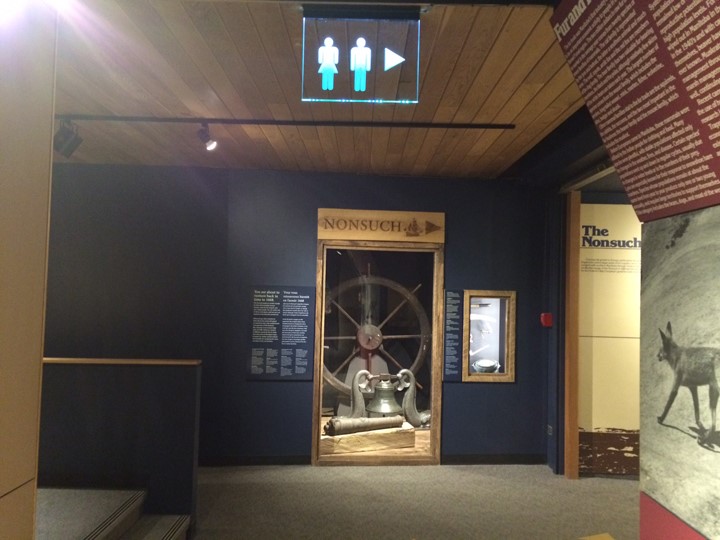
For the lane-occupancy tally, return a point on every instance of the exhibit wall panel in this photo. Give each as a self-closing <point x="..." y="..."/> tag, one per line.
<point x="609" y="334"/>
<point x="681" y="299"/>
<point x="17" y="511"/>
<point x="609" y="382"/>
<point x="161" y="262"/>
<point x="609" y="271"/>
<point x="26" y="109"/>
<point x="137" y="270"/>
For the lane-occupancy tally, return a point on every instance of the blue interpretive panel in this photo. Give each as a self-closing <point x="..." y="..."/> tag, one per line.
<point x="452" y="371"/>
<point x="283" y="328"/>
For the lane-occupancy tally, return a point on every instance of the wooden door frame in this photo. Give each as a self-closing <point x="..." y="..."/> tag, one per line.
<point x="571" y="452"/>
<point x="436" y="352"/>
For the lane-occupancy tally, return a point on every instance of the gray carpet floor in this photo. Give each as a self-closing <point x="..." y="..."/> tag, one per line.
<point x="494" y="502"/>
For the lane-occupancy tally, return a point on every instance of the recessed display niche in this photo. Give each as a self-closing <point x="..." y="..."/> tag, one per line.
<point x="378" y="347"/>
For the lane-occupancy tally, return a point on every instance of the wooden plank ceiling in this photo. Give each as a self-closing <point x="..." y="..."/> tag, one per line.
<point x="242" y="60"/>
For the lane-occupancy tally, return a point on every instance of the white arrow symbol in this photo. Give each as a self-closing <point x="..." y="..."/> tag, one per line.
<point x="392" y="59"/>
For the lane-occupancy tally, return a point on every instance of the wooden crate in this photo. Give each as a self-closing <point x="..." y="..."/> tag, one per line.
<point x="368" y="441"/>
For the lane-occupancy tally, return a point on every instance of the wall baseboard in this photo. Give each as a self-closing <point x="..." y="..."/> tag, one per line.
<point x="495" y="459"/>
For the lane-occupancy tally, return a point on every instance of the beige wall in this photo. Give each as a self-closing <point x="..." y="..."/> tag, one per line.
<point x="609" y="320"/>
<point x="27" y="72"/>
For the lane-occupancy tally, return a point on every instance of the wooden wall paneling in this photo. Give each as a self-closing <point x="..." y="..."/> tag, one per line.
<point x="292" y="17"/>
<point x="432" y="140"/>
<point x="346" y="147"/>
<point x="174" y="143"/>
<point x="396" y="143"/>
<point x="17" y="513"/>
<point x="453" y="33"/>
<point x="517" y="27"/>
<point x="253" y="80"/>
<point x="191" y="24"/>
<point x="526" y="130"/>
<point x="280" y="54"/>
<point x="536" y="79"/>
<point x="296" y="144"/>
<point x="318" y="351"/>
<point x="247" y="34"/>
<point x="320" y="155"/>
<point x="487" y="25"/>
<point x="562" y="107"/>
<point x="380" y="137"/>
<point x="572" y="302"/>
<point x="218" y="59"/>
<point x="438" y="347"/>
<point x="210" y="24"/>
<point x="451" y="139"/>
<point x="413" y="144"/>
<point x="98" y="144"/>
<point x="329" y="145"/>
<point x="451" y="164"/>
<point x="363" y="148"/>
<point x="280" y="145"/>
<point x="116" y="75"/>
<point x="379" y="145"/>
<point x="398" y="138"/>
<point x="264" y="151"/>
<point x="85" y="88"/>
<point x="27" y="64"/>
<point x="311" y="140"/>
<point x="478" y="154"/>
<point x="526" y="58"/>
<point x="85" y="66"/>
<point x="218" y="29"/>
<point x="235" y="145"/>
<point x="281" y="58"/>
<point x="163" y="62"/>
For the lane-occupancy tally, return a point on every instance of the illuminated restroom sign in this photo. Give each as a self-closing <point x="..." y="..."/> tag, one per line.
<point x="360" y="57"/>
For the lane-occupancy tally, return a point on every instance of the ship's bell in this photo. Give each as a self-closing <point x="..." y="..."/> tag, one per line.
<point x="383" y="403"/>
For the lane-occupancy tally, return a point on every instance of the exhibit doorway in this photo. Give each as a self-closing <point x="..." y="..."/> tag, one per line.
<point x="602" y="364"/>
<point x="378" y="346"/>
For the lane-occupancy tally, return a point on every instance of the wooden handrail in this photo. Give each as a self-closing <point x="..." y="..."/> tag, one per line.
<point x="122" y="361"/>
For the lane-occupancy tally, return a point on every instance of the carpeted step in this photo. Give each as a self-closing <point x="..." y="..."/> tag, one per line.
<point x="157" y="527"/>
<point x="86" y="514"/>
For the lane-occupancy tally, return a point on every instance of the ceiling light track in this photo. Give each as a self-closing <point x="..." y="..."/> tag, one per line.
<point x="280" y="123"/>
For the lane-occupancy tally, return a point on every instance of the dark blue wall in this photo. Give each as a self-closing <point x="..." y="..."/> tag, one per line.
<point x="158" y="263"/>
<point x="122" y="426"/>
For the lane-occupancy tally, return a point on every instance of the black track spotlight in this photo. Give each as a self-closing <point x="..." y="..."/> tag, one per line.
<point x="206" y="138"/>
<point x="66" y="139"/>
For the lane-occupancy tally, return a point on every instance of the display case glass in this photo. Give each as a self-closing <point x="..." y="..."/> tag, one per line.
<point x="489" y="336"/>
<point x="378" y="315"/>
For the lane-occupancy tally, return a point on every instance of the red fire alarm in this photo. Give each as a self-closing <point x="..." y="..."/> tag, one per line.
<point x="546" y="319"/>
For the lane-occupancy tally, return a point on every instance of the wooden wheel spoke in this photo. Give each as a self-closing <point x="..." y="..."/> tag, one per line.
<point x="346" y="361"/>
<point x="398" y="307"/>
<point x="402" y="316"/>
<point x="342" y="310"/>
<point x="390" y="357"/>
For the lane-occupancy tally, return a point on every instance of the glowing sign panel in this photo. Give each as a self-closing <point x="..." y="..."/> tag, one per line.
<point x="361" y="60"/>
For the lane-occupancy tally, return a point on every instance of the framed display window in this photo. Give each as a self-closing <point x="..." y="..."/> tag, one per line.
<point x="379" y="312"/>
<point x="489" y="336"/>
